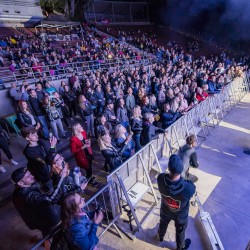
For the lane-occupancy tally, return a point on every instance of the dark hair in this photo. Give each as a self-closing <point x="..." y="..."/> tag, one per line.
<point x="98" y="119"/>
<point x="144" y="100"/>
<point x="190" y="139"/>
<point x="26" y="131"/>
<point x="20" y="107"/>
<point x="69" y="210"/>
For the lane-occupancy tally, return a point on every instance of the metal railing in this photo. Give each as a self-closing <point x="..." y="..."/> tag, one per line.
<point x="62" y="71"/>
<point x="144" y="166"/>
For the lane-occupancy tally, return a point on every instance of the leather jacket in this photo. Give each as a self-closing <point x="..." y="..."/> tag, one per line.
<point x="25" y="120"/>
<point x="113" y="156"/>
<point x="136" y="126"/>
<point x="36" y="209"/>
<point x="149" y="133"/>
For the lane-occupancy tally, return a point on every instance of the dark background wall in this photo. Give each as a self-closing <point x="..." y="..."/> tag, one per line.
<point x="229" y="19"/>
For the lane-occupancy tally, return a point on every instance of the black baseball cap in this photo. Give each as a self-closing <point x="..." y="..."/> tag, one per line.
<point x="18" y="174"/>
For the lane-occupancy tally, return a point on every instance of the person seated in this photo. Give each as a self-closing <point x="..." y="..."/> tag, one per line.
<point x="121" y="135"/>
<point x="79" y="226"/>
<point x="168" y="117"/>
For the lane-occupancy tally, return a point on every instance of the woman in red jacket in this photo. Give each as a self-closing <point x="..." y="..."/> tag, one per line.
<point x="81" y="148"/>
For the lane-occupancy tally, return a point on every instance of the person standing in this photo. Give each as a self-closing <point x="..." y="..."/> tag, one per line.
<point x="149" y="131"/>
<point x="80" y="227"/>
<point x="136" y="126"/>
<point x="4" y="145"/>
<point x="37" y="109"/>
<point x="81" y="148"/>
<point x="36" y="208"/>
<point x="188" y="155"/>
<point x="87" y="114"/>
<point x="176" y="193"/>
<point x="54" y="116"/>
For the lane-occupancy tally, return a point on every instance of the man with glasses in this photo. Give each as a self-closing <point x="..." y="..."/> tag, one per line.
<point x="68" y="183"/>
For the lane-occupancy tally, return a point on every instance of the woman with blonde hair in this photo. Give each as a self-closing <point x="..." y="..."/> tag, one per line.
<point x="136" y="126"/>
<point x="121" y="135"/>
<point x="112" y="154"/>
<point x="175" y="104"/>
<point x="81" y="148"/>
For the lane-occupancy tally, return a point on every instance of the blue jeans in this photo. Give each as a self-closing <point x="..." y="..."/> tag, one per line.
<point x="57" y="123"/>
<point x="90" y="125"/>
<point x="45" y="129"/>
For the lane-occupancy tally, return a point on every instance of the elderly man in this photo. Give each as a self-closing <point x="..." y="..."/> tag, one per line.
<point x="149" y="131"/>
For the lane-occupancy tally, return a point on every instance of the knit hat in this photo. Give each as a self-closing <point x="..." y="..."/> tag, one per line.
<point x="18" y="174"/>
<point x="175" y="164"/>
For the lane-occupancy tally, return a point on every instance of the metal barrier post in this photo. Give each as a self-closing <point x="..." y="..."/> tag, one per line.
<point x="209" y="227"/>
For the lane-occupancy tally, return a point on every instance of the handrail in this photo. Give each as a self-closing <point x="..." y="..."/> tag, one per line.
<point x="138" y="154"/>
<point x="90" y="65"/>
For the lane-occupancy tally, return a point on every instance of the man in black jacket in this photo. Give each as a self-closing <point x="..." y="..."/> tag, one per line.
<point x="37" y="109"/>
<point x="149" y="131"/>
<point x="37" y="153"/>
<point x="176" y="194"/>
<point x="37" y="210"/>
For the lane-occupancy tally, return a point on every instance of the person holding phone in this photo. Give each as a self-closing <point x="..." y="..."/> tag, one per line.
<point x="80" y="226"/>
<point x="81" y="148"/>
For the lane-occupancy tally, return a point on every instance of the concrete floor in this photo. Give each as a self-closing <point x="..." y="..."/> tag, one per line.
<point x="223" y="188"/>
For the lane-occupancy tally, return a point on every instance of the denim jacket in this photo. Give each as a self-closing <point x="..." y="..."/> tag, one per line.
<point x="82" y="233"/>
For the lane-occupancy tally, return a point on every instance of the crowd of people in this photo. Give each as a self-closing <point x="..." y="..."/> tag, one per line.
<point x="28" y="55"/>
<point x="123" y="109"/>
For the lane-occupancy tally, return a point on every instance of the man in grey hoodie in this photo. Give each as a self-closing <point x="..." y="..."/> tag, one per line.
<point x="188" y="155"/>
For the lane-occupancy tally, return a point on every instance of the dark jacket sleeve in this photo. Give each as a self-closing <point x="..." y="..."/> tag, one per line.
<point x="23" y="122"/>
<point x="135" y="126"/>
<point x="34" y="198"/>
